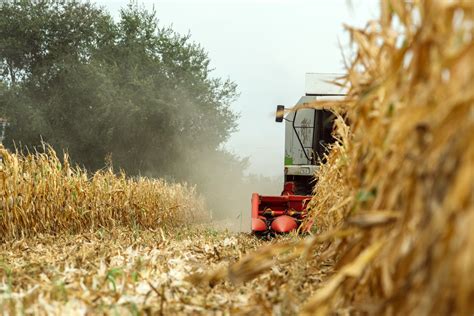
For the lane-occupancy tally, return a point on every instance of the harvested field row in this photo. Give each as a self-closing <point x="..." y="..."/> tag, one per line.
<point x="122" y="271"/>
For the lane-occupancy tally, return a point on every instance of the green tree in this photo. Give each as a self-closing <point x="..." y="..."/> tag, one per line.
<point x="81" y="82"/>
<point x="73" y="77"/>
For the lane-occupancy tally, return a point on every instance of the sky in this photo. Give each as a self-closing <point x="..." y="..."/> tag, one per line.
<point x="266" y="47"/>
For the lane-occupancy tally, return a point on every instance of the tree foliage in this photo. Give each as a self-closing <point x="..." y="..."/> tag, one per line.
<point x="75" y="78"/>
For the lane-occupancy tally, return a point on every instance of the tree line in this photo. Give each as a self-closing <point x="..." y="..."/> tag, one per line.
<point x="126" y="91"/>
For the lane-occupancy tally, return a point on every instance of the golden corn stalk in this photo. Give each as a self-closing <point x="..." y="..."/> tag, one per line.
<point x="399" y="186"/>
<point x="41" y="194"/>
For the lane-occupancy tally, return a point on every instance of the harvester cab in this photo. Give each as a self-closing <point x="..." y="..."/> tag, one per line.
<point x="308" y="132"/>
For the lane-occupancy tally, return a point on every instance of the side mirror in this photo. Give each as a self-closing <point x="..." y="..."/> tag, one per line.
<point x="280" y="112"/>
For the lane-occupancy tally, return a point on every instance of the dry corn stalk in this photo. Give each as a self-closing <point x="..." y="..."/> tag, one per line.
<point x="41" y="194"/>
<point x="407" y="166"/>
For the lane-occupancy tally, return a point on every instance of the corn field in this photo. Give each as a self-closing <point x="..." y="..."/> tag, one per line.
<point x="42" y="194"/>
<point x="393" y="206"/>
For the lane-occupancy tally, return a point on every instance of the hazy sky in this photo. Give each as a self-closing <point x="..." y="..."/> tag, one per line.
<point x="266" y="47"/>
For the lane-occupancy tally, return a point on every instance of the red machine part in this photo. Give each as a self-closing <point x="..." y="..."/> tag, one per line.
<point x="283" y="224"/>
<point x="279" y="214"/>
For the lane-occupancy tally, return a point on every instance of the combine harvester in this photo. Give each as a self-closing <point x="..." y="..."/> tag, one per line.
<point x="308" y="132"/>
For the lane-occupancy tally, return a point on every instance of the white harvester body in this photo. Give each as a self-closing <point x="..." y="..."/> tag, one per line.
<point x="304" y="128"/>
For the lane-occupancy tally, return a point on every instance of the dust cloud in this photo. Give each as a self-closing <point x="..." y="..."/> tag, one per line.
<point x="233" y="211"/>
<point x="227" y="190"/>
